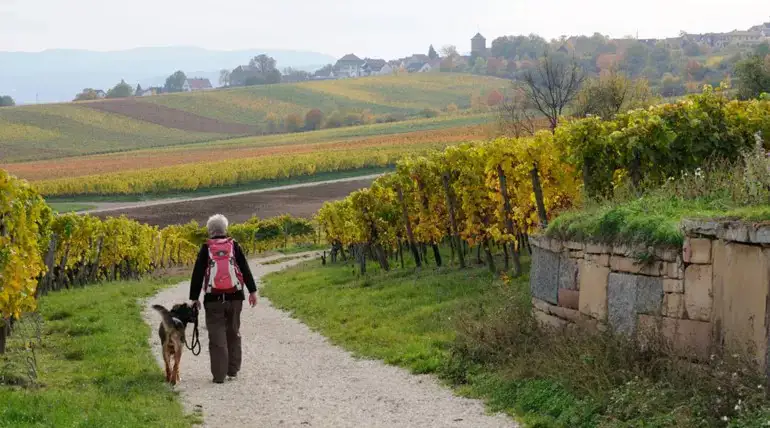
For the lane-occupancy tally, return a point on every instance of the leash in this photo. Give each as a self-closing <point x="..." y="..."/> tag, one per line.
<point x="196" y="342"/>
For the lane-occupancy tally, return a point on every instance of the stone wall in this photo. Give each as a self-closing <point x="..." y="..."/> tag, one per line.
<point x="709" y="296"/>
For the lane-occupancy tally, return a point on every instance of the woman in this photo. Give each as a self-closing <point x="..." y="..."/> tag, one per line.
<point x="221" y="272"/>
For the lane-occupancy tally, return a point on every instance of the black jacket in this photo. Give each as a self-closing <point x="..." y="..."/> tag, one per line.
<point x="199" y="272"/>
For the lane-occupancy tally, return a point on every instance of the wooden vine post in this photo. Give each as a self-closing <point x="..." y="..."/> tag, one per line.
<point x="538" y="189"/>
<point x="450" y="202"/>
<point x="409" y="233"/>
<point x="511" y="229"/>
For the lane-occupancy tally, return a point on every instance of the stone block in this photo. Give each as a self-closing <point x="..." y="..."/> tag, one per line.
<point x="568" y="314"/>
<point x="649" y="295"/>
<point x="593" y="290"/>
<point x="667" y="255"/>
<point x="576" y="254"/>
<point x="736" y="232"/>
<point x="568" y="273"/>
<point x="597" y="249"/>
<point x="700" y="227"/>
<point x="673" y="285"/>
<point x="674" y="270"/>
<point x="540" y="305"/>
<point x="599" y="259"/>
<point x="698" y="292"/>
<point x="761" y="235"/>
<point x="621" y="295"/>
<point x="741" y="276"/>
<point x="687" y="338"/>
<point x="628" y="265"/>
<point x="629" y="295"/>
<point x="697" y="250"/>
<point x="673" y="305"/>
<point x="569" y="299"/>
<point x="544" y="275"/>
<point x="549" y="321"/>
<point x="628" y="250"/>
<point x="574" y="245"/>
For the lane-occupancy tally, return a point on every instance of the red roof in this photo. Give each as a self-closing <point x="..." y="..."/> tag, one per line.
<point x="199" y="84"/>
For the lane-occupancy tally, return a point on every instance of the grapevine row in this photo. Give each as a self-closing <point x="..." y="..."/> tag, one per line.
<point x="495" y="193"/>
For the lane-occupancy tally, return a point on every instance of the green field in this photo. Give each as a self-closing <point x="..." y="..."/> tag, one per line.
<point x="57" y="131"/>
<point x="382" y="95"/>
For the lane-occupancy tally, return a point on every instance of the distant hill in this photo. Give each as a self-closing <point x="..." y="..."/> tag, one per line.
<point x="52" y="131"/>
<point x="57" y="75"/>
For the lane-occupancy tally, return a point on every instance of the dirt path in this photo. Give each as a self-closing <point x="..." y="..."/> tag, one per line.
<point x="293" y="377"/>
<point x="102" y="207"/>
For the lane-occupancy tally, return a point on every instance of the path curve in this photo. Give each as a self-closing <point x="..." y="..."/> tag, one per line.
<point x="119" y="206"/>
<point x="293" y="377"/>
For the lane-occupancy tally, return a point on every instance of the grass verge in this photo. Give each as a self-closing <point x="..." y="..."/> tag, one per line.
<point x="476" y="332"/>
<point x="68" y="207"/>
<point x="96" y="368"/>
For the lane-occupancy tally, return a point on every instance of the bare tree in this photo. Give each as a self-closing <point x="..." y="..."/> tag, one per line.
<point x="449" y="51"/>
<point x="224" y="77"/>
<point x="552" y="85"/>
<point x="514" y="117"/>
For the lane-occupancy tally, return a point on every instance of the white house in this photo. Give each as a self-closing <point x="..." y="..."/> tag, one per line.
<point x="350" y="66"/>
<point x="196" y="84"/>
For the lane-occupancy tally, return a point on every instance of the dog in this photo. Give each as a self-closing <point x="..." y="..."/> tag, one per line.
<point x="172" y="336"/>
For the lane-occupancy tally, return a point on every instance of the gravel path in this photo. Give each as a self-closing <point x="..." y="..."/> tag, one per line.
<point x="293" y="377"/>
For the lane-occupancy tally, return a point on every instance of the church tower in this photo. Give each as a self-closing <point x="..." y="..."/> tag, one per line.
<point x="478" y="46"/>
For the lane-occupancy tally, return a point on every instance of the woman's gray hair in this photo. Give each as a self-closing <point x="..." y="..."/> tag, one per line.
<point x="217" y="225"/>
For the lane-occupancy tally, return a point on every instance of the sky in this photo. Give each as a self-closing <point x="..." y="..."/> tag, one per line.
<point x="389" y="29"/>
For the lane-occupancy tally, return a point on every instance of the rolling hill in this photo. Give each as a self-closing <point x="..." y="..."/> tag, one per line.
<point x="76" y="129"/>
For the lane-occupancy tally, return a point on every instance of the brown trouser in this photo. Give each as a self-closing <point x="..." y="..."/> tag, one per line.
<point x="223" y="321"/>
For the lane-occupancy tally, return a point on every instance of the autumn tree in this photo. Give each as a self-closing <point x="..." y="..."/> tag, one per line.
<point x="294" y="122"/>
<point x="7" y="101"/>
<point x="552" y="84"/>
<point x="610" y="94"/>
<point x="494" y="98"/>
<point x="432" y="54"/>
<point x="314" y="119"/>
<point x="224" y="77"/>
<point x="753" y="76"/>
<point x="175" y="82"/>
<point x="87" y="94"/>
<point x="121" y="90"/>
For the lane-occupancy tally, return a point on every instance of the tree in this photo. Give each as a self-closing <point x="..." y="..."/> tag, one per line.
<point x="753" y="76"/>
<point x="138" y="91"/>
<point x="762" y="49"/>
<point x="449" y="51"/>
<point x="552" y="85"/>
<point x="175" y="82"/>
<point x="610" y="94"/>
<point x="121" y="90"/>
<point x="314" y="119"/>
<point x="224" y="77"/>
<point x="495" y="98"/>
<point x="294" y="122"/>
<point x="263" y="64"/>
<point x="87" y="94"/>
<point x="514" y="118"/>
<point x="479" y="66"/>
<point x="7" y="101"/>
<point x="432" y="54"/>
<point x="294" y="75"/>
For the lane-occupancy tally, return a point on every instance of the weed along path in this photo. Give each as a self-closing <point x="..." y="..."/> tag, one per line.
<point x="293" y="377"/>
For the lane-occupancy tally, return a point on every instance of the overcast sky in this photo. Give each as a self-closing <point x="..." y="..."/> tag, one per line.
<point x="389" y="28"/>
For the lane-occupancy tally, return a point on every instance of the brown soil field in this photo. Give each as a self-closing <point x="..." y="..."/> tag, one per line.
<point x="300" y="201"/>
<point x="102" y="164"/>
<point x="169" y="117"/>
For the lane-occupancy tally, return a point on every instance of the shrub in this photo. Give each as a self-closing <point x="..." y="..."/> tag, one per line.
<point x="294" y="122"/>
<point x="494" y="98"/>
<point x="452" y="108"/>
<point x="314" y="119"/>
<point x="429" y="112"/>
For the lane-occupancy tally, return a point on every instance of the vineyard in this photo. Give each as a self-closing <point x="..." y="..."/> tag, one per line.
<point x="252" y="147"/>
<point x="55" y="131"/>
<point x="493" y="194"/>
<point x="40" y="252"/>
<point x="382" y="95"/>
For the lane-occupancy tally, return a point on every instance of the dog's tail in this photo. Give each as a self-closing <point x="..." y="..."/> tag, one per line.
<point x="169" y="322"/>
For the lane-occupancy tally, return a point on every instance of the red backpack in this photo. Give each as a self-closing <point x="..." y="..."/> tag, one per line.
<point x="222" y="274"/>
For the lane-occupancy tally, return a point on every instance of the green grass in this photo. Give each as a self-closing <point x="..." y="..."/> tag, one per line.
<point x="476" y="333"/>
<point x="95" y="365"/>
<point x="68" y="207"/>
<point x="650" y="220"/>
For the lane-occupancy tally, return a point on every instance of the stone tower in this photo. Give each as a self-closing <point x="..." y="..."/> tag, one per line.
<point x="478" y="46"/>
